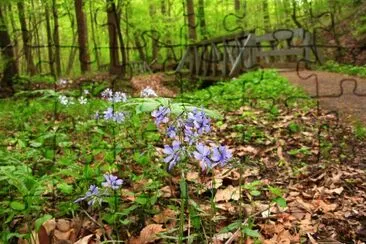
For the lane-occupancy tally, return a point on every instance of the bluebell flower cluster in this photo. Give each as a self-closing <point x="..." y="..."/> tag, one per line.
<point x="148" y="92"/>
<point x="114" y="97"/>
<point x="110" y="114"/>
<point x="93" y="195"/>
<point x="174" y="154"/>
<point x="161" y="115"/>
<point x="186" y="133"/>
<point x="112" y="181"/>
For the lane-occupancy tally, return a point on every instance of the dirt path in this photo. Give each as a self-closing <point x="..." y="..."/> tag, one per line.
<point x="350" y="104"/>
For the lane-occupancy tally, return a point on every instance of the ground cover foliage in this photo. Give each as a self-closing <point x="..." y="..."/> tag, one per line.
<point x="85" y="164"/>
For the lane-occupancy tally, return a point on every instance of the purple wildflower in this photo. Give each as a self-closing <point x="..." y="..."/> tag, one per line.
<point x="119" y="117"/>
<point x="107" y="93"/>
<point x="199" y="120"/>
<point x="202" y="154"/>
<point x="108" y="114"/>
<point x="173" y="153"/>
<point x="112" y="181"/>
<point x="221" y="155"/>
<point x="190" y="136"/>
<point x="91" y="194"/>
<point x="160" y="115"/>
<point x="118" y="97"/>
<point x="171" y="131"/>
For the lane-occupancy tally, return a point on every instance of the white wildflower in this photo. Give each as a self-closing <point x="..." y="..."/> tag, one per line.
<point x="148" y="92"/>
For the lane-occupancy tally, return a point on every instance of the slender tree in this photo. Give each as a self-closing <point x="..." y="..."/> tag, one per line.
<point x="113" y="39"/>
<point x="237" y="5"/>
<point x="202" y="19"/>
<point x="115" y="33"/>
<point x="192" y="35"/>
<point x="31" y="69"/>
<point x="154" y="34"/>
<point x="51" y="60"/>
<point x="94" y="38"/>
<point x="7" y="53"/>
<point x="266" y="18"/>
<point x="56" y="38"/>
<point x="82" y="28"/>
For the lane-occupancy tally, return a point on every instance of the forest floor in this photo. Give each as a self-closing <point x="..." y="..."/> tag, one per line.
<point x="309" y="157"/>
<point x="337" y="92"/>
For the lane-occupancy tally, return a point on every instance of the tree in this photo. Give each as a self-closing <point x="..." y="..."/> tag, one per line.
<point x="113" y="40"/>
<point x="7" y="52"/>
<point x="192" y="35"/>
<point x="202" y="18"/>
<point x="154" y="34"/>
<point x="94" y="38"/>
<point x="82" y="28"/>
<point x="266" y="18"/>
<point x="237" y="5"/>
<point x="56" y="38"/>
<point x="50" y="41"/>
<point x="31" y="68"/>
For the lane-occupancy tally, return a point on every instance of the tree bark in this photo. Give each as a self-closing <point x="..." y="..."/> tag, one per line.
<point x="237" y="6"/>
<point x="49" y="41"/>
<point x="113" y="41"/>
<point x="94" y="38"/>
<point x="56" y="38"/>
<point x="82" y="28"/>
<point x="202" y="19"/>
<point x="37" y="39"/>
<point x="139" y="47"/>
<point x="10" y="67"/>
<point x="266" y="18"/>
<point x="154" y="36"/>
<point x="31" y="69"/>
<point x="192" y="35"/>
<point x="15" y="38"/>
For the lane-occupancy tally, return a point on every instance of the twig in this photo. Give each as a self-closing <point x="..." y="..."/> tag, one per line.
<point x="237" y="232"/>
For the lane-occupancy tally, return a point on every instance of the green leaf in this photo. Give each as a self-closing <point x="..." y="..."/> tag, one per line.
<point x="65" y="188"/>
<point x="255" y="193"/>
<point x="183" y="188"/>
<point x="233" y="226"/>
<point x="251" y="233"/>
<point x="275" y="191"/>
<point x="35" y="144"/>
<point x="16" y="205"/>
<point x="39" y="222"/>
<point x="280" y="201"/>
<point x="141" y="200"/>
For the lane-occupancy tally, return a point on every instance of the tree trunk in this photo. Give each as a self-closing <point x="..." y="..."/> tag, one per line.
<point x="49" y="41"/>
<point x="31" y="69"/>
<point x="56" y="38"/>
<point x="113" y="41"/>
<point x="13" y="26"/>
<point x="10" y="67"/>
<point x="70" y="63"/>
<point x="237" y="6"/>
<point x="266" y="18"/>
<point x="202" y="19"/>
<point x="192" y="35"/>
<point x="120" y="39"/>
<point x="139" y="47"/>
<point x="82" y="28"/>
<point x="95" y="43"/>
<point x="154" y="35"/>
<point x="293" y="16"/>
<point x="166" y="12"/>
<point x="37" y="40"/>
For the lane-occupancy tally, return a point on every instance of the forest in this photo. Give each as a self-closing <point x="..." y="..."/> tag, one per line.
<point x="182" y="121"/>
